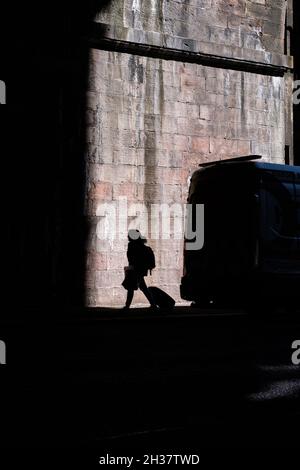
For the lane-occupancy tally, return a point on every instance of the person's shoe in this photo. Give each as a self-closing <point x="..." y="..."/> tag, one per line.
<point x="154" y="308"/>
<point x="125" y="308"/>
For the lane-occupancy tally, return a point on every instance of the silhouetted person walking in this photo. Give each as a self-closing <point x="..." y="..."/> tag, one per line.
<point x="141" y="260"/>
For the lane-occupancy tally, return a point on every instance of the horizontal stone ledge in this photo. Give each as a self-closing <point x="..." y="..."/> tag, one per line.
<point x="156" y="45"/>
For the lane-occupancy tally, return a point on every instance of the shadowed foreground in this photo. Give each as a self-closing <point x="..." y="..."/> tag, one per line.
<point x="191" y="379"/>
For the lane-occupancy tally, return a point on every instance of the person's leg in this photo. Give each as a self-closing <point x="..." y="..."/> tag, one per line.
<point x="130" y="293"/>
<point x="146" y="292"/>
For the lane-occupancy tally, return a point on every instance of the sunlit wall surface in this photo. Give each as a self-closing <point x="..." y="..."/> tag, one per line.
<point x="152" y="120"/>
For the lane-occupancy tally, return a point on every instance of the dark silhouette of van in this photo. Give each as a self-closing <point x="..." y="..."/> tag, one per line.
<point x="251" y="250"/>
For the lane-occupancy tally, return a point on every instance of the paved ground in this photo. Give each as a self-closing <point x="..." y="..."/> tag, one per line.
<point x="190" y="379"/>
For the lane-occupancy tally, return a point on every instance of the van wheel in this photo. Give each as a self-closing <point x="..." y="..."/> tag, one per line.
<point x="260" y="307"/>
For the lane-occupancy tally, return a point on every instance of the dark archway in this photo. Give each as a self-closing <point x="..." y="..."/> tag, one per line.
<point x="44" y="62"/>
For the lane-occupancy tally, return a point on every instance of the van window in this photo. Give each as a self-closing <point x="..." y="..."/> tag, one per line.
<point x="280" y="210"/>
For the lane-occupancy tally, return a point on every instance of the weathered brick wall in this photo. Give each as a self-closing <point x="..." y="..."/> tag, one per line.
<point x="151" y="122"/>
<point x="249" y="24"/>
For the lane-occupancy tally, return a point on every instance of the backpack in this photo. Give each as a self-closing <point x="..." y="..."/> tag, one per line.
<point x="149" y="258"/>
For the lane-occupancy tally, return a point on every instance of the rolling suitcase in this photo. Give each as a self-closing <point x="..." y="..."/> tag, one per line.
<point x="162" y="299"/>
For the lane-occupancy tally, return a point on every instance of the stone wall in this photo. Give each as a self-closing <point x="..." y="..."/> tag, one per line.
<point x="248" y="24"/>
<point x="151" y="122"/>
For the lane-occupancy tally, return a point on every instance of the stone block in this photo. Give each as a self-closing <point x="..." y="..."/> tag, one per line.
<point x="199" y="144"/>
<point x="101" y="190"/>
